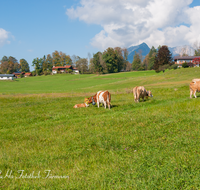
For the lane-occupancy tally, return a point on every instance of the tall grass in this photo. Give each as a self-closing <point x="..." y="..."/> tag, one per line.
<point x="147" y="145"/>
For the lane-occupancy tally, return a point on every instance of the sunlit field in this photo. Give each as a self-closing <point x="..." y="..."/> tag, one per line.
<point x="47" y="144"/>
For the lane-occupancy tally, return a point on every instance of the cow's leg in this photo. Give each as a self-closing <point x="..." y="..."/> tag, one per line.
<point x="109" y="105"/>
<point x="195" y="94"/>
<point x="191" y="92"/>
<point x="105" y="104"/>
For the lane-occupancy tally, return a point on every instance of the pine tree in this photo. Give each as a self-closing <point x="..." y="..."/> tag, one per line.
<point x="136" y="64"/>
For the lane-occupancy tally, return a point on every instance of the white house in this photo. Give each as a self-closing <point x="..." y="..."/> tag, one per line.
<point x="7" y="77"/>
<point x="188" y="59"/>
<point x="63" y="69"/>
<point x="75" y="70"/>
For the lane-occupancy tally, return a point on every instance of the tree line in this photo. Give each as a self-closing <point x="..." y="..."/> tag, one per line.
<point x="112" y="60"/>
<point x="9" y="65"/>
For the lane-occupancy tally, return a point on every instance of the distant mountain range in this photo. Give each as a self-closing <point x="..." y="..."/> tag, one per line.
<point x="144" y="50"/>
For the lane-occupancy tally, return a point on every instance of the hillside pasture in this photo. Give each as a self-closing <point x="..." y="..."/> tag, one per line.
<point x="148" y="145"/>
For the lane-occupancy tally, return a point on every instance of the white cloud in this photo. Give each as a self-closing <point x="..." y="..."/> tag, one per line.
<point x="130" y="22"/>
<point x="4" y="36"/>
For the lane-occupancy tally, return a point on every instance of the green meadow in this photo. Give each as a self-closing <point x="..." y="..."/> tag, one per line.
<point x="47" y="144"/>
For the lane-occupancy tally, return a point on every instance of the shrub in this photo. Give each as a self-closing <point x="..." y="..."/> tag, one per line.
<point x="46" y="73"/>
<point x="163" y="68"/>
<point x="185" y="65"/>
<point x="174" y="66"/>
<point x="33" y="73"/>
<point x="190" y="64"/>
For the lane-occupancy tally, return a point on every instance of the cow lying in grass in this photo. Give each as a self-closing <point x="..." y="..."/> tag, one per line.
<point x="194" y="87"/>
<point x="103" y="97"/>
<point x="141" y="92"/>
<point x="82" y="105"/>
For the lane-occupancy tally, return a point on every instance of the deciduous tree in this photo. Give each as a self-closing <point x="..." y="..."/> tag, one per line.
<point x="82" y="65"/>
<point x="9" y="65"/>
<point x="24" y="65"/>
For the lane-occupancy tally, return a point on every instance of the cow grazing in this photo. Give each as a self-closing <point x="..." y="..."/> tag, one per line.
<point x="194" y="87"/>
<point x="103" y="97"/>
<point x="141" y="92"/>
<point x="81" y="105"/>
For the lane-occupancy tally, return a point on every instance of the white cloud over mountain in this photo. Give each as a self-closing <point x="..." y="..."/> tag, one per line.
<point x="131" y="22"/>
<point x="4" y="35"/>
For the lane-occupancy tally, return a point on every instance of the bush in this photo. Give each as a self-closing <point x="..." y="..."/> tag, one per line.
<point x="33" y="73"/>
<point x="185" y="65"/>
<point x="163" y="68"/>
<point x="190" y="64"/>
<point x="174" y="66"/>
<point x="46" y="73"/>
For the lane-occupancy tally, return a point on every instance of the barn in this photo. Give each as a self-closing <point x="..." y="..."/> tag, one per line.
<point x="7" y="77"/>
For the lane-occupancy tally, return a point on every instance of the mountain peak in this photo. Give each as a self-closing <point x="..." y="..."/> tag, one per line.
<point x="142" y="48"/>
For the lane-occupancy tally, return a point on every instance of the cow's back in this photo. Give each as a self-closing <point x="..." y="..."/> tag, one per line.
<point x="195" y="80"/>
<point x="141" y="91"/>
<point x="195" y="86"/>
<point x="103" y="96"/>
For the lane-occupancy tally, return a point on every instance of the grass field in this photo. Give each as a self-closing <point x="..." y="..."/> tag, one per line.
<point x="147" y="145"/>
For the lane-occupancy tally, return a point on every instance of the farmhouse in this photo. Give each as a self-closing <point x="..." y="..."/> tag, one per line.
<point x="28" y="74"/>
<point x="17" y="74"/>
<point x="179" y="60"/>
<point x="7" y="76"/>
<point x="76" y="71"/>
<point x="63" y="69"/>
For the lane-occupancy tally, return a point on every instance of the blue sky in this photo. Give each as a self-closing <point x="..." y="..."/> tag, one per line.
<point x="31" y="29"/>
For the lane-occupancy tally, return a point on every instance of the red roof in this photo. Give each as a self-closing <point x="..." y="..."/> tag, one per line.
<point x="28" y="74"/>
<point x="62" y="67"/>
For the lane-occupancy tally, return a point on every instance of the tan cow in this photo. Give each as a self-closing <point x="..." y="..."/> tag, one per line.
<point x="194" y="87"/>
<point x="103" y="97"/>
<point x="195" y="80"/>
<point x="141" y="92"/>
<point x="81" y="105"/>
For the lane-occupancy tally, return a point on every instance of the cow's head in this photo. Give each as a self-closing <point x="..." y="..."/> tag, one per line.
<point x="149" y="94"/>
<point x="91" y="99"/>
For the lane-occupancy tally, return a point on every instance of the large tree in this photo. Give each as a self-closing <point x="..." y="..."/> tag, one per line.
<point x="60" y="59"/>
<point x="136" y="64"/>
<point x="151" y="58"/>
<point x="163" y="59"/>
<point x="9" y="65"/>
<point x="111" y="59"/>
<point x="96" y="62"/>
<point x="37" y="63"/>
<point x="82" y="65"/>
<point x="24" y="65"/>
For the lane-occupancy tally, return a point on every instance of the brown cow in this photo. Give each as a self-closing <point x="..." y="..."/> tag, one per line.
<point x="194" y="87"/>
<point x="141" y="92"/>
<point x="103" y="97"/>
